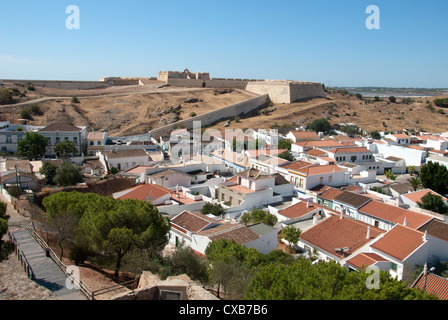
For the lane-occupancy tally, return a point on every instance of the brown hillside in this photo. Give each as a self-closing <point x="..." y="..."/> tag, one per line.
<point x="129" y="110"/>
<point x="337" y="108"/>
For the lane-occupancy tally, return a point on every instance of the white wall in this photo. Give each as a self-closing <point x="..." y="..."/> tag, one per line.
<point x="412" y="157"/>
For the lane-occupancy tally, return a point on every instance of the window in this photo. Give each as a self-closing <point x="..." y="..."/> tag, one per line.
<point x="321" y="180"/>
<point x="75" y="140"/>
<point x="57" y="140"/>
<point x="301" y="183"/>
<point x="393" y="266"/>
<point x="49" y="141"/>
<point x="330" y="179"/>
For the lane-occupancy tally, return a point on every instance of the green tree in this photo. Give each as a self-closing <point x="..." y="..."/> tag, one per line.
<point x="25" y="114"/>
<point x="65" y="148"/>
<point x="291" y="234"/>
<point x="324" y="281"/>
<point x="6" y="97"/>
<point x="284" y="144"/>
<point x="375" y="135"/>
<point x="32" y="146"/>
<point x="320" y="125"/>
<point x="286" y="155"/>
<point x="68" y="174"/>
<point x="435" y="177"/>
<point x="392" y="99"/>
<point x="127" y="225"/>
<point x="184" y="260"/>
<point x="49" y="169"/>
<point x="258" y="215"/>
<point x="415" y="183"/>
<point x="434" y="203"/>
<point x="213" y="208"/>
<point x="6" y="247"/>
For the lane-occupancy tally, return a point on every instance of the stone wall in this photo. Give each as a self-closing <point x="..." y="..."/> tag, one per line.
<point x="213" y="116"/>
<point x="66" y="85"/>
<point x="280" y="91"/>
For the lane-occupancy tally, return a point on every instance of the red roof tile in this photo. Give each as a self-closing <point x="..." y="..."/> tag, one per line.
<point x="399" y="242"/>
<point x="365" y="259"/>
<point x="334" y="233"/>
<point x="143" y="191"/>
<point x="418" y="195"/>
<point x="435" y="285"/>
<point x="300" y="209"/>
<point x="395" y="214"/>
<point x="192" y="222"/>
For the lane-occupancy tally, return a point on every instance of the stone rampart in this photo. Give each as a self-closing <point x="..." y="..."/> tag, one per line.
<point x="234" y="110"/>
<point x="66" y="85"/>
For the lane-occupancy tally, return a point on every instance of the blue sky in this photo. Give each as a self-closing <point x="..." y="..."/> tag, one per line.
<point x="315" y="40"/>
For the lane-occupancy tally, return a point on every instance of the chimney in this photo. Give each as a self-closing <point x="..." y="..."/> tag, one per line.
<point x="341" y="213"/>
<point x="405" y="222"/>
<point x="425" y="236"/>
<point x="368" y="232"/>
<point x="314" y="219"/>
<point x="308" y="203"/>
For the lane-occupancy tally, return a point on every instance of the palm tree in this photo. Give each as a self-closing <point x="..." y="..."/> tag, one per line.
<point x="415" y="183"/>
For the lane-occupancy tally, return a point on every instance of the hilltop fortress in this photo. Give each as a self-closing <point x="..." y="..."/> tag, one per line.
<point x="279" y="91"/>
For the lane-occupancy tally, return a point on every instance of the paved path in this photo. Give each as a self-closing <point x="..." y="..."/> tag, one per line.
<point x="47" y="273"/>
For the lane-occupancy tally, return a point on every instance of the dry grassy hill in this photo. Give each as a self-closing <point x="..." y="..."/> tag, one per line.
<point x="120" y="110"/>
<point x="368" y="114"/>
<point x="129" y="110"/>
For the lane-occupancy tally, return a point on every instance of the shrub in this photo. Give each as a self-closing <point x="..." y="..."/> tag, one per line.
<point x="35" y="109"/>
<point x="25" y="114"/>
<point x="392" y="99"/>
<point x="75" y="100"/>
<point x="193" y="114"/>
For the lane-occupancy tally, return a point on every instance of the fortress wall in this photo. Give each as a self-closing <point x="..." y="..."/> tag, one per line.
<point x="234" y="110"/>
<point x="213" y="83"/>
<point x="67" y="85"/>
<point x="306" y="90"/>
<point x="278" y="91"/>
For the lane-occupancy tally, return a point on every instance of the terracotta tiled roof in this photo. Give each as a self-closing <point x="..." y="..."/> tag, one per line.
<point x="253" y="173"/>
<point x="240" y="233"/>
<point x="436" y="228"/>
<point x="316" y="152"/>
<point x="418" y="195"/>
<point x="312" y="170"/>
<point x="305" y="135"/>
<point x="143" y="191"/>
<point x="395" y="214"/>
<point x="330" y="194"/>
<point x="433" y="284"/>
<point x="300" y="209"/>
<point x="401" y="136"/>
<point x="126" y="153"/>
<point x="365" y="259"/>
<point x="319" y="143"/>
<point x="60" y="127"/>
<point x="193" y="222"/>
<point x="349" y="150"/>
<point x="336" y="233"/>
<point x="399" y="242"/>
<point x="297" y="165"/>
<point x="98" y="135"/>
<point x="353" y="199"/>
